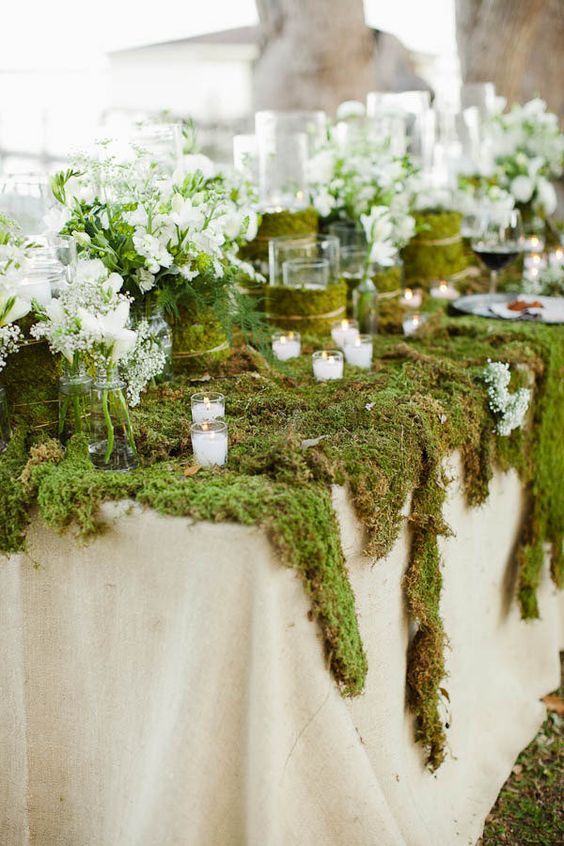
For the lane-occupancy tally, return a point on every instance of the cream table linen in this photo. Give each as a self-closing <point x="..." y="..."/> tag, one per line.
<point x="163" y="686"/>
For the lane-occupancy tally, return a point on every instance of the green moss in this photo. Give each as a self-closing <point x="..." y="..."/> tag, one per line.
<point x="383" y="432"/>
<point x="274" y="225"/>
<point x="425" y="261"/>
<point x="306" y="310"/>
<point x="198" y="339"/>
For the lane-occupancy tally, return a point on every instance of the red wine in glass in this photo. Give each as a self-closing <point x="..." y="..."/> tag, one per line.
<point x="498" y="240"/>
<point x="496" y="259"/>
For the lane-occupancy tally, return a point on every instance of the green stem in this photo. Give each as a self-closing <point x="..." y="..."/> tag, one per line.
<point x="77" y="414"/>
<point x="128" y="426"/>
<point x="109" y="426"/>
<point x="63" y="416"/>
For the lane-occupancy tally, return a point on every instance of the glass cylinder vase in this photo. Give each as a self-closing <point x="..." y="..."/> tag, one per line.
<point x="365" y="306"/>
<point x="5" y="432"/>
<point x="75" y="388"/>
<point x="160" y="330"/>
<point x="111" y="445"/>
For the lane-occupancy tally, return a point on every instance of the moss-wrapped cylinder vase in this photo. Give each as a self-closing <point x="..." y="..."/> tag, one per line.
<point x="437" y="251"/>
<point x="274" y="225"/>
<point x="306" y="310"/>
<point x="198" y="339"/>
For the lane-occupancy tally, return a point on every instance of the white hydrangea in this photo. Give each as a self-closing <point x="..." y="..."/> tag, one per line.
<point x="510" y="409"/>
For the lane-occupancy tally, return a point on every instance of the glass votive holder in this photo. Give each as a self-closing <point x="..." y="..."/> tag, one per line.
<point x="306" y="273"/>
<point x="344" y="332"/>
<point x="533" y="243"/>
<point x="411" y="298"/>
<point x="358" y="352"/>
<point x="327" y="365"/>
<point x="413" y="323"/>
<point x="443" y="290"/>
<point x="209" y="443"/>
<point x="556" y="258"/>
<point x="286" y="345"/>
<point x="534" y="260"/>
<point x="207" y="406"/>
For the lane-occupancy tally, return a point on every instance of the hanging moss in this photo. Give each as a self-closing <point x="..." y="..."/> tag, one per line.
<point x="304" y="309"/>
<point x="274" y="225"/>
<point x="427" y="257"/>
<point x="383" y="432"/>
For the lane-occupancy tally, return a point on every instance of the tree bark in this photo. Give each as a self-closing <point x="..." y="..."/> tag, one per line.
<point x="517" y="44"/>
<point x="314" y="54"/>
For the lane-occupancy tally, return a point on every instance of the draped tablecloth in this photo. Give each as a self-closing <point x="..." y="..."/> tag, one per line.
<point x="164" y="686"/>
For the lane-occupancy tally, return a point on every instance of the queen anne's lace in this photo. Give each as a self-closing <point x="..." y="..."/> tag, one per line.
<point x="509" y="409"/>
<point x="9" y="337"/>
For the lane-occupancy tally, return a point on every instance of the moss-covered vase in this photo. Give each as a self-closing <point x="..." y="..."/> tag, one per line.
<point x="274" y="225"/>
<point x="198" y="339"/>
<point x="304" y="309"/>
<point x="437" y="251"/>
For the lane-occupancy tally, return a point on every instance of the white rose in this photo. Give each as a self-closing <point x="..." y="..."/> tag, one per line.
<point x="196" y="161"/>
<point x="522" y="189"/>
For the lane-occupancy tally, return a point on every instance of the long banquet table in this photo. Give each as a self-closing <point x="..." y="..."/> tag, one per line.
<point x="164" y="685"/>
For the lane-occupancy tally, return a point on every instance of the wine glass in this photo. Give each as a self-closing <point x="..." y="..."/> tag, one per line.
<point x="497" y="240"/>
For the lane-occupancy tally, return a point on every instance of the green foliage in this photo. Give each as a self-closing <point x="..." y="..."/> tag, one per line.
<point x="384" y="433"/>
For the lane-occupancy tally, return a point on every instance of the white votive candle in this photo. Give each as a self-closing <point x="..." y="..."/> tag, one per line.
<point x="344" y="331"/>
<point x="411" y="298"/>
<point x="359" y="352"/>
<point x="327" y="365"/>
<point x="443" y="290"/>
<point x="556" y="258"/>
<point x="412" y="324"/>
<point x="534" y="260"/>
<point x="209" y="443"/>
<point x="207" y="406"/>
<point x="286" y="345"/>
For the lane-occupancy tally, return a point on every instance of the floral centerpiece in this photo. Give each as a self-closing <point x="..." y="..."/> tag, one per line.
<point x="527" y="150"/>
<point x="174" y="241"/>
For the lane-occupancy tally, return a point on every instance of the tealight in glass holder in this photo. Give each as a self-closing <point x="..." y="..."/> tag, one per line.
<point x="444" y="290"/>
<point x="327" y="365"/>
<point x="358" y="352"/>
<point x="286" y="345"/>
<point x="306" y="273"/>
<point x="210" y="443"/>
<point x="344" y="332"/>
<point x="411" y="298"/>
<point x="207" y="406"/>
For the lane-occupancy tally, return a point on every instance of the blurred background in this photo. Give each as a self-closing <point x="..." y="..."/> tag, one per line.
<point x="70" y="72"/>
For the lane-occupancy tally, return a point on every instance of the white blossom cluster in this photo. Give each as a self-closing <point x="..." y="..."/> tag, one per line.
<point x="351" y="185"/>
<point x="549" y="281"/>
<point x="154" y="230"/>
<point x="145" y="361"/>
<point x="9" y="337"/>
<point x="385" y="233"/>
<point x="527" y="149"/>
<point x="509" y="408"/>
<point x="89" y="318"/>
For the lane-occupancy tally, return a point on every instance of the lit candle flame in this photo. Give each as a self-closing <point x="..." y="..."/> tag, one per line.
<point x="283" y="339"/>
<point x="324" y="354"/>
<point x="408" y="294"/>
<point x="344" y="324"/>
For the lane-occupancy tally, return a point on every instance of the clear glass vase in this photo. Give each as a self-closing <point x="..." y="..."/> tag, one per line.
<point x="5" y="432"/>
<point x="111" y="444"/>
<point x="365" y="306"/>
<point x="75" y="389"/>
<point x="161" y="331"/>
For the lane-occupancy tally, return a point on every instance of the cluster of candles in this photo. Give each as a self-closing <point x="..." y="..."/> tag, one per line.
<point x="209" y="430"/>
<point x="534" y="262"/>
<point x="328" y="365"/>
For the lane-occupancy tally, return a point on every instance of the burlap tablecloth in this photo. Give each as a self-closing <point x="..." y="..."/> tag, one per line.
<point x="163" y="686"/>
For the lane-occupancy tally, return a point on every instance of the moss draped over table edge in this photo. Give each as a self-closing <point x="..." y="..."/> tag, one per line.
<point x="383" y="433"/>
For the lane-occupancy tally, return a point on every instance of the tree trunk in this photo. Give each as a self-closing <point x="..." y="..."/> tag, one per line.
<point x="314" y="54"/>
<point x="517" y="44"/>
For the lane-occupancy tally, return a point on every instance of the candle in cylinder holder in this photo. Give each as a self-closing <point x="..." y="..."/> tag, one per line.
<point x="556" y="258"/>
<point x="443" y="290"/>
<point x="344" y="331"/>
<point x="207" y="406"/>
<point x="359" y="352"/>
<point x="412" y="324"/>
<point x="533" y="244"/>
<point x="286" y="345"/>
<point x="327" y="365"/>
<point x="209" y="443"/>
<point x="534" y="260"/>
<point x="411" y="298"/>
